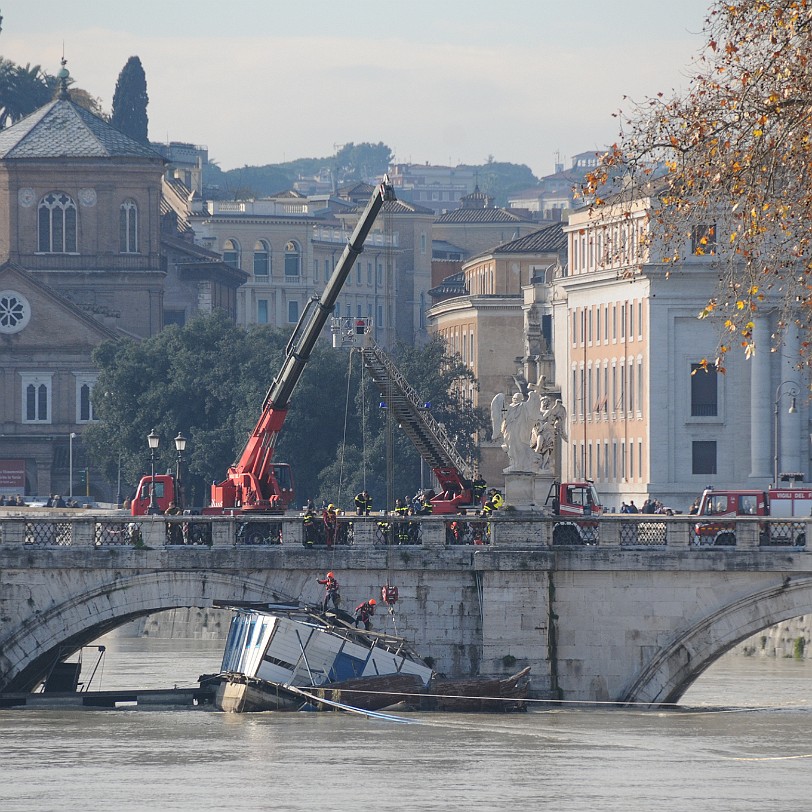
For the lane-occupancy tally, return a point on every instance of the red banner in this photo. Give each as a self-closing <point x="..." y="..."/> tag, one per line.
<point x="12" y="476"/>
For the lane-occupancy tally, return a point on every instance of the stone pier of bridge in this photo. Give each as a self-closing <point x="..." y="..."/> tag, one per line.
<point x="616" y="620"/>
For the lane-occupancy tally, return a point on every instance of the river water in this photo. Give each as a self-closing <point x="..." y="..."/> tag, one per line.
<point x="742" y="740"/>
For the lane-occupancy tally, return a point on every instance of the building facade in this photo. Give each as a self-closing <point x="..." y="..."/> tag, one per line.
<point x="649" y="417"/>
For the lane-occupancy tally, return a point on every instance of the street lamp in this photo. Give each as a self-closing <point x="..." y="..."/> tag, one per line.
<point x="153" y="440"/>
<point x="793" y="393"/>
<point x="180" y="447"/>
<point x="71" y="438"/>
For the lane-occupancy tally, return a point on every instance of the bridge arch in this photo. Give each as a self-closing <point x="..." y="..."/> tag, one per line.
<point x="672" y="670"/>
<point x="28" y="652"/>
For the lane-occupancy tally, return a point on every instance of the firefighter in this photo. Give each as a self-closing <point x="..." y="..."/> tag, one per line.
<point x="309" y="522"/>
<point x="363" y="503"/>
<point x="402" y="528"/>
<point x="363" y="613"/>
<point x="330" y="519"/>
<point x="491" y="505"/>
<point x="331" y="593"/>
<point x="497" y="498"/>
<point x="426" y="506"/>
<point x="174" y="530"/>
<point x="478" y="487"/>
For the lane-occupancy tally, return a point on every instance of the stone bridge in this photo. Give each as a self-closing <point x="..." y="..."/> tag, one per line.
<point x="633" y="611"/>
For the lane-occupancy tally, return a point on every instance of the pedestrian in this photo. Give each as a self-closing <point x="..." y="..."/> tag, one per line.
<point x="363" y="503"/>
<point x="632" y="507"/>
<point x="174" y="530"/>
<point x="59" y="502"/>
<point x="330" y="519"/>
<point x="363" y="613"/>
<point x="309" y="522"/>
<point x="331" y="593"/>
<point x="624" y="508"/>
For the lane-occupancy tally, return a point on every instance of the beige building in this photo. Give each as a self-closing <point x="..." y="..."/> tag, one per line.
<point x="645" y="420"/>
<point x="488" y="326"/>
<point x="288" y="246"/>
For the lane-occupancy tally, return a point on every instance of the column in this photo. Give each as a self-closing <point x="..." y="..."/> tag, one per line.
<point x="790" y="424"/>
<point x="761" y="397"/>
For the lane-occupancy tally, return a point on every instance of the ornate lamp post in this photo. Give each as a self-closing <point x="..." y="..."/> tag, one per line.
<point x="153" y="440"/>
<point x="180" y="447"/>
<point x="793" y="393"/>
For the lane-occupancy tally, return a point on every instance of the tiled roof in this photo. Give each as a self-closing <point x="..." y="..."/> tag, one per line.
<point x="480" y="216"/>
<point x="453" y="285"/>
<point x="550" y="239"/>
<point x="62" y="129"/>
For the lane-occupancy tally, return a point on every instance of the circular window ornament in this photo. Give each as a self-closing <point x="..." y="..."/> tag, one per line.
<point x="26" y="197"/>
<point x="15" y="311"/>
<point x="87" y="197"/>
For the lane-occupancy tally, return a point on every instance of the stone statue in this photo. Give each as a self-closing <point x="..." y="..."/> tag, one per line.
<point x="552" y="424"/>
<point x="513" y="424"/>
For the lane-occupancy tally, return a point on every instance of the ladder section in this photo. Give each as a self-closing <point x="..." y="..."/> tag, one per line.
<point x="428" y="436"/>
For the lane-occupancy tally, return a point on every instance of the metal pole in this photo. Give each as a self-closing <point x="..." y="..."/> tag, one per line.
<point x="776" y="439"/>
<point x="118" y="483"/>
<point x="71" y="438"/>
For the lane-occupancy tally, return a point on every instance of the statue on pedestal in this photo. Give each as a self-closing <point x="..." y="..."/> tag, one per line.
<point x="528" y="429"/>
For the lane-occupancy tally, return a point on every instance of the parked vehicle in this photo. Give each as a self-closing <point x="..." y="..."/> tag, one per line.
<point x="574" y="501"/>
<point x="777" y="503"/>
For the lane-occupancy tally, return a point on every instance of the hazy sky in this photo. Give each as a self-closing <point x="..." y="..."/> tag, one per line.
<point x="442" y="81"/>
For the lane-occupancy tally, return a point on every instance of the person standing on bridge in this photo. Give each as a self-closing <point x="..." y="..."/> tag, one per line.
<point x="330" y="519"/>
<point x="363" y="503"/>
<point x="331" y="593"/>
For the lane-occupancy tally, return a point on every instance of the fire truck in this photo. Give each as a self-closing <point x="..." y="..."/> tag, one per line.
<point x="255" y="484"/>
<point x="574" y="502"/>
<point x="777" y="503"/>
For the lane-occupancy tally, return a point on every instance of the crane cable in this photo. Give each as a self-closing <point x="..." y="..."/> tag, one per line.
<point x="344" y="438"/>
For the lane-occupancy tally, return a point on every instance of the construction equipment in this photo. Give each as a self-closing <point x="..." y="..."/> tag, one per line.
<point x="255" y="484"/>
<point x="454" y="475"/>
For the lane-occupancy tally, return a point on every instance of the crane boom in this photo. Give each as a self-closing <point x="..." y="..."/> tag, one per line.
<point x="251" y="484"/>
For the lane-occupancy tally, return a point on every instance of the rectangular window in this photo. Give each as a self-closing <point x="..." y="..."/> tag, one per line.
<point x="606" y="324"/>
<point x="631" y="459"/>
<point x="703" y="240"/>
<point x="380" y="315"/>
<point x="623" y="320"/>
<point x="379" y="275"/>
<point x="598" y="324"/>
<point x="358" y="274"/>
<point x="704" y="391"/>
<point x="631" y="320"/>
<point x="640" y="319"/>
<point x="703" y="457"/>
<point x="262" y="311"/>
<point x="327" y="268"/>
<point x="293" y="312"/>
<point x="640" y="385"/>
<point x="631" y="387"/>
<point x="614" y="322"/>
<point x="369" y="274"/>
<point x="589" y="325"/>
<point x="547" y="331"/>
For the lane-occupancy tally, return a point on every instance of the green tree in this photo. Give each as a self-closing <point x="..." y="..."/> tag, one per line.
<point x="22" y="90"/>
<point x="362" y="161"/>
<point x="130" y="101"/>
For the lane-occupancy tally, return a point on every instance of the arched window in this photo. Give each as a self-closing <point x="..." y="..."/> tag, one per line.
<point x="36" y="392"/>
<point x="128" y="227"/>
<point x="56" y="222"/>
<point x="231" y="253"/>
<point x="293" y="257"/>
<point x="262" y="258"/>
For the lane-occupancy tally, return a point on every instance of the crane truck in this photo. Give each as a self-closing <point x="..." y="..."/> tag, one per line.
<point x="255" y="484"/>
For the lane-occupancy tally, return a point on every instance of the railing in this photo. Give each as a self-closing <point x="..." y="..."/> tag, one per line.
<point x="507" y="529"/>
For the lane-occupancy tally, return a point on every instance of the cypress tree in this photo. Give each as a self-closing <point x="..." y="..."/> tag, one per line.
<point x="130" y="101"/>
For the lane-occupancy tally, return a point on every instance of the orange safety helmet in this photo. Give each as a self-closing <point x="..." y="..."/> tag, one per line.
<point x="372" y="602"/>
<point x="331" y="575"/>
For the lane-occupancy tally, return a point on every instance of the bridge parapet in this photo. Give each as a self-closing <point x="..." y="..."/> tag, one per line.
<point x="519" y="531"/>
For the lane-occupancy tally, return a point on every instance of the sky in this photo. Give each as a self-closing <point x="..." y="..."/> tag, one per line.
<point x="438" y="81"/>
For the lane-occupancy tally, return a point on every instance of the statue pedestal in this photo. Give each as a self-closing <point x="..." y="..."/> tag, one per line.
<point x="528" y="491"/>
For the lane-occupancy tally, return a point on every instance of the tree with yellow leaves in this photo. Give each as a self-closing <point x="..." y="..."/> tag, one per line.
<point x="730" y="161"/>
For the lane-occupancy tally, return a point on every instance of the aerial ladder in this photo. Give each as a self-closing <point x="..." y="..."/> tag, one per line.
<point x="429" y="437"/>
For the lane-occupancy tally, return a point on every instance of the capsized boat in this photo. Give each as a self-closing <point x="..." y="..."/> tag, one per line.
<point x="271" y="650"/>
